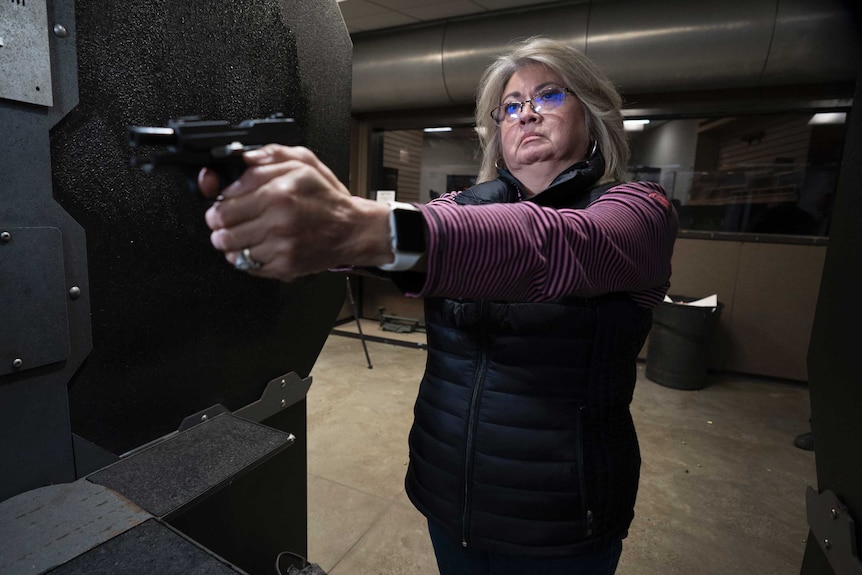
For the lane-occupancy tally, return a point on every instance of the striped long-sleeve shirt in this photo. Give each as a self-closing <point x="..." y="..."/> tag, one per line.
<point x="622" y="242"/>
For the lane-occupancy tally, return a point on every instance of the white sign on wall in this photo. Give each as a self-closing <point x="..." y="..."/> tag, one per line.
<point x="385" y="196"/>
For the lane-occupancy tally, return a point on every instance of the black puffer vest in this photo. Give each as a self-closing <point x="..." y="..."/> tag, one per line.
<point x="522" y="441"/>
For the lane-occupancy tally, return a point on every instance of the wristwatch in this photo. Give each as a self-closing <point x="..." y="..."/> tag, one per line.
<point x="407" y="236"/>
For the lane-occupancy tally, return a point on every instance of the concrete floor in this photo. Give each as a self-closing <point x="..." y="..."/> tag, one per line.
<point x="722" y="485"/>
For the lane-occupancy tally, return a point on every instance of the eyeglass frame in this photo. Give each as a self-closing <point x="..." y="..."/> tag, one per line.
<point x="528" y="101"/>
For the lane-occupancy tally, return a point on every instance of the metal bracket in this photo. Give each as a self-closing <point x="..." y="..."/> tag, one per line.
<point x="25" y="59"/>
<point x="833" y="527"/>
<point x="202" y="416"/>
<point x="33" y="296"/>
<point x="280" y="393"/>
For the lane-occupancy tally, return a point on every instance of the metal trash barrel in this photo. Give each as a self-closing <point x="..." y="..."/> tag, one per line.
<point x="679" y="343"/>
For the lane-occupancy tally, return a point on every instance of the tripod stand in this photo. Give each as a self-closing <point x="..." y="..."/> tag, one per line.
<point x="358" y="324"/>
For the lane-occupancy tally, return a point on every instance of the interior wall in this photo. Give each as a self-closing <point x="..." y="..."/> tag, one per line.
<point x="769" y="292"/>
<point x="442" y="157"/>
<point x="670" y="144"/>
<point x="402" y="151"/>
<point x="765" y="141"/>
<point x="672" y="147"/>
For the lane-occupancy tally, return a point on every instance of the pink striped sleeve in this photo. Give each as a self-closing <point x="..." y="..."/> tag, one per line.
<point x="523" y="252"/>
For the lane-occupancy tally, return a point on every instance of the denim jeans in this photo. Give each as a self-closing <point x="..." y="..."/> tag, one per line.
<point x="453" y="559"/>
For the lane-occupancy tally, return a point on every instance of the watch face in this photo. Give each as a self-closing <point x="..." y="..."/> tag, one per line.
<point x="410" y="231"/>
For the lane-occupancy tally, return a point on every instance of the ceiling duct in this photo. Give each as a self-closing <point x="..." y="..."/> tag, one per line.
<point x="645" y="46"/>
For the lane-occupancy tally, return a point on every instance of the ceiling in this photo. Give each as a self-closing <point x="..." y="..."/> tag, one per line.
<point x="367" y="15"/>
<point x="662" y="53"/>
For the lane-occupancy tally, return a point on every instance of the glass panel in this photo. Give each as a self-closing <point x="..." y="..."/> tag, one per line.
<point x="755" y="174"/>
<point x="767" y="174"/>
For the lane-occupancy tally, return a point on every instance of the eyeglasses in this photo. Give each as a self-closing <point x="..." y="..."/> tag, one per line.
<point x="548" y="99"/>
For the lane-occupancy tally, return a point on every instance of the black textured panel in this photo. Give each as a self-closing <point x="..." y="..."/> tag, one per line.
<point x="175" y="328"/>
<point x="175" y="472"/>
<point x="149" y="548"/>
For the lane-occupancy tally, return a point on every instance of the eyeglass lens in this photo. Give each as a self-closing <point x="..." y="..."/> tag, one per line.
<point x="546" y="100"/>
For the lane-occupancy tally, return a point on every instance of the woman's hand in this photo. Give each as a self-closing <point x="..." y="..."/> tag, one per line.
<point x="293" y="216"/>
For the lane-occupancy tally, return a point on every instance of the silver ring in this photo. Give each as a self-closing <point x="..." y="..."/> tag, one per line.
<point x="244" y="262"/>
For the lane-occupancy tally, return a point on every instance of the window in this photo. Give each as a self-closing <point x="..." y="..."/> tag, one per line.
<point x="774" y="174"/>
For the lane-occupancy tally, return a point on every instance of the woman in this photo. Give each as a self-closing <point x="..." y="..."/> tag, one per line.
<point x="539" y="284"/>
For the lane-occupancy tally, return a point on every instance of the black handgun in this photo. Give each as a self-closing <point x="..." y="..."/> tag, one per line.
<point x="191" y="144"/>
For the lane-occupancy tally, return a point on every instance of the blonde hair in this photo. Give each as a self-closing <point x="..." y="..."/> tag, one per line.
<point x="601" y="102"/>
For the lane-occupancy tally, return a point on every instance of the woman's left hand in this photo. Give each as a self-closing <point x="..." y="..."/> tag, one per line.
<point x="290" y="214"/>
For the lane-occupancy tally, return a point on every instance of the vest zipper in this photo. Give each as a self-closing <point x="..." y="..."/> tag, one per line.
<point x="582" y="480"/>
<point x="478" y="382"/>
